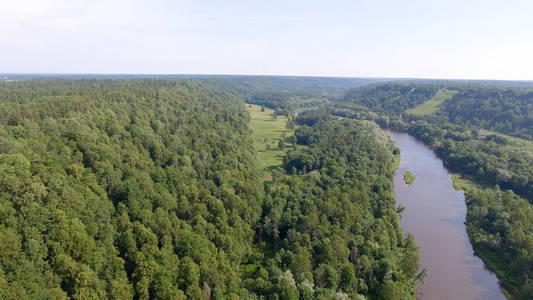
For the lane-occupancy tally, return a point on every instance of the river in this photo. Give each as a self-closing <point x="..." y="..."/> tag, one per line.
<point x="435" y="213"/>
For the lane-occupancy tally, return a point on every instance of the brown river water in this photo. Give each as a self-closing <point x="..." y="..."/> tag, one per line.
<point x="435" y="213"/>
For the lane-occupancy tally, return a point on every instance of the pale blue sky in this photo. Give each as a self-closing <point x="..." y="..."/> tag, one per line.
<point x="467" y="39"/>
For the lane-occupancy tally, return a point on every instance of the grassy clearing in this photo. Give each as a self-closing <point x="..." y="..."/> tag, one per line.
<point x="266" y="135"/>
<point x="514" y="141"/>
<point x="465" y="183"/>
<point x="460" y="183"/>
<point x="433" y="104"/>
<point x="514" y="144"/>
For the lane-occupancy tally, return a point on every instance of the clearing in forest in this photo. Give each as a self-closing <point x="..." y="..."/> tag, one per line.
<point x="433" y="104"/>
<point x="512" y="143"/>
<point x="267" y="133"/>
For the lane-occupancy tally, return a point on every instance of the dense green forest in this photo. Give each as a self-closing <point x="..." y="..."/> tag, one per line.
<point x="251" y="85"/>
<point x="124" y="189"/>
<point x="504" y="110"/>
<point x="490" y="158"/>
<point x="330" y="219"/>
<point x="392" y="97"/>
<point x="149" y="188"/>
<point x="288" y="93"/>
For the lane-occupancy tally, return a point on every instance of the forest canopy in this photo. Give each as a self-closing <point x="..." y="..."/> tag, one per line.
<point x="124" y="189"/>
<point x="138" y="189"/>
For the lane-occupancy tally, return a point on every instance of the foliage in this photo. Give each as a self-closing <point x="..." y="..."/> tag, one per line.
<point x="140" y="189"/>
<point x="393" y="97"/>
<point x="312" y="117"/>
<point x="490" y="158"/>
<point x="504" y="110"/>
<point x="331" y="219"/>
<point x="121" y="189"/>
<point x="499" y="224"/>
<point x="288" y="93"/>
<point x="408" y="178"/>
<point x="353" y="111"/>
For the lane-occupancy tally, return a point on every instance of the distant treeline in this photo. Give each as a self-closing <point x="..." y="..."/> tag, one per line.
<point x="502" y="108"/>
<point x="394" y="97"/>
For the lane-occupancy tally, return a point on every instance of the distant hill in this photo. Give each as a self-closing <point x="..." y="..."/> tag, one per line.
<point x="505" y="107"/>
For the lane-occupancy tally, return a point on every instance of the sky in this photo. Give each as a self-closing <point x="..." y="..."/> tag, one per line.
<point x="466" y="39"/>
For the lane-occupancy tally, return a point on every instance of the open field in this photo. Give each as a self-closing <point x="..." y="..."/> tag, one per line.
<point x="267" y="131"/>
<point x="514" y="141"/>
<point x="433" y="104"/>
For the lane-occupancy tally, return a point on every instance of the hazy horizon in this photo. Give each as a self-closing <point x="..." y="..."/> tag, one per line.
<point x="474" y="40"/>
<point x="193" y="75"/>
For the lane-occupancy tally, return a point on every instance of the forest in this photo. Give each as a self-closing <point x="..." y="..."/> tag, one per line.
<point x="475" y="133"/>
<point x="329" y="219"/>
<point x="392" y="96"/>
<point x="502" y="107"/>
<point x="287" y="94"/>
<point x="508" y="111"/>
<point x="124" y="189"/>
<point x="150" y="189"/>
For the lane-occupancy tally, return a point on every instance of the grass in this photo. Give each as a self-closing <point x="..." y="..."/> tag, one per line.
<point x="396" y="163"/>
<point x="432" y="105"/>
<point x="464" y="183"/>
<point x="514" y="141"/>
<point x="267" y="131"/>
<point x="460" y="183"/>
<point x="514" y="144"/>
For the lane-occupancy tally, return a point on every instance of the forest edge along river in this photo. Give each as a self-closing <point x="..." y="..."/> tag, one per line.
<point x="435" y="213"/>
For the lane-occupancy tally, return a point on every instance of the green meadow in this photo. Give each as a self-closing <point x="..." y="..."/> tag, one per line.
<point x="267" y="131"/>
<point x="513" y="141"/>
<point x="433" y="104"/>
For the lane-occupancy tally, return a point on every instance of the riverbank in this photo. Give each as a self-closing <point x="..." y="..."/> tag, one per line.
<point x="435" y="213"/>
<point x="493" y="260"/>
